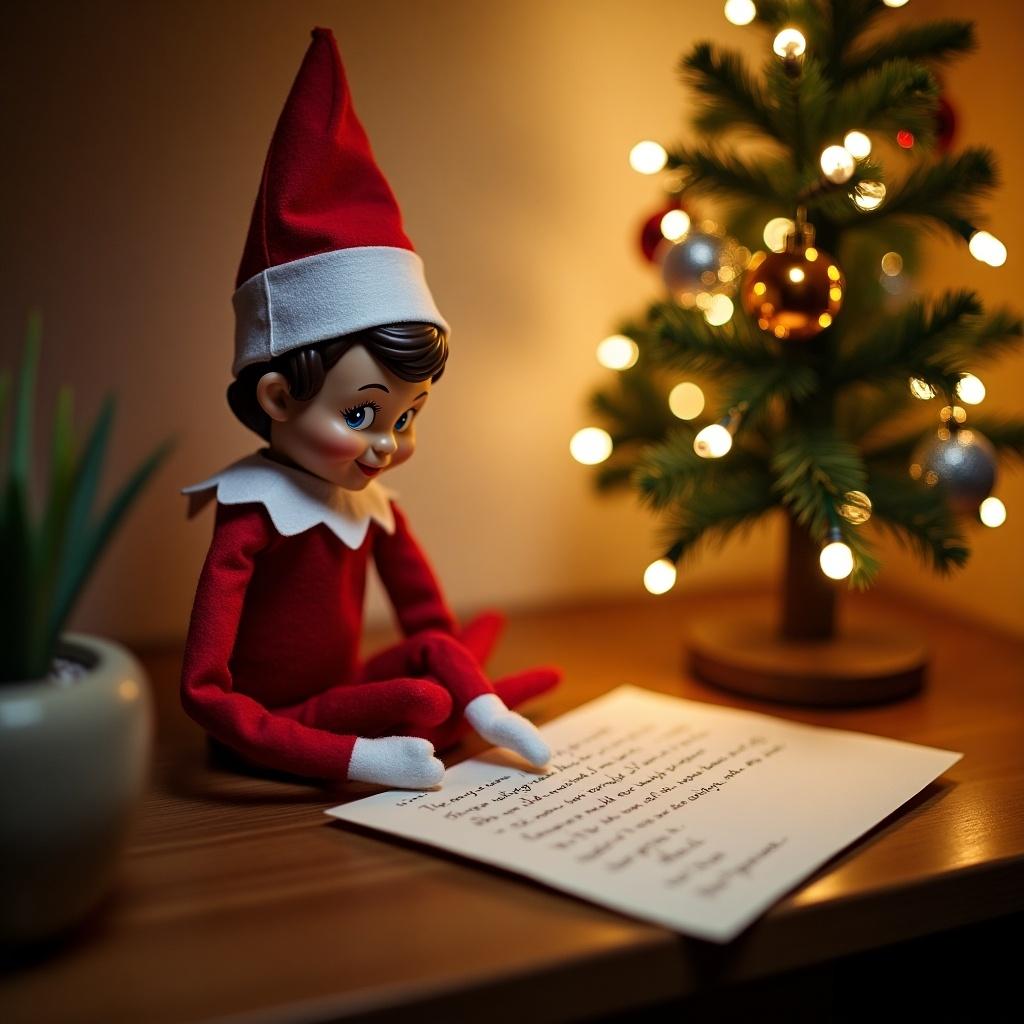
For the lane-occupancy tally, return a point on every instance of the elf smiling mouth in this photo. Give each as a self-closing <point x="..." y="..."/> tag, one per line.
<point x="369" y="470"/>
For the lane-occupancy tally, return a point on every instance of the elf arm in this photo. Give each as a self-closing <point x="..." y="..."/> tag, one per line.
<point x="207" y="686"/>
<point x="410" y="581"/>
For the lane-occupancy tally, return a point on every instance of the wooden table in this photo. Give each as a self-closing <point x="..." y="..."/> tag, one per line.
<point x="240" y="900"/>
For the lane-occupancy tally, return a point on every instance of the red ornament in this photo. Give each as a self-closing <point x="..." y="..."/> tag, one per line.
<point x="905" y="139"/>
<point x="945" y="125"/>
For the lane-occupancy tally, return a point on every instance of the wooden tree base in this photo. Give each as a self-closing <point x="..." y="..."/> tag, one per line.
<point x="866" y="664"/>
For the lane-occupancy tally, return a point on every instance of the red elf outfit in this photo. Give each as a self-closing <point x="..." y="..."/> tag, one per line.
<point x="271" y="665"/>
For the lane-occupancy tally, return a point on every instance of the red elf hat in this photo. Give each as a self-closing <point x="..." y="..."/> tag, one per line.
<point x="326" y="253"/>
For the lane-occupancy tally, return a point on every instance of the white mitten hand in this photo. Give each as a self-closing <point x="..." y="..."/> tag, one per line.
<point x="402" y="762"/>
<point x="492" y="720"/>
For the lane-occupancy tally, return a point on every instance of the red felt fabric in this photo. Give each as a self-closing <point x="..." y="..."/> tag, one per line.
<point x="321" y="188"/>
<point x="271" y="662"/>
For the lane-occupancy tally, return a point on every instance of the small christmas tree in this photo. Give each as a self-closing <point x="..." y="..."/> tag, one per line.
<point x="817" y="354"/>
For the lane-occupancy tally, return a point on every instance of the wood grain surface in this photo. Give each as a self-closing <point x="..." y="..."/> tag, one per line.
<point x="239" y="900"/>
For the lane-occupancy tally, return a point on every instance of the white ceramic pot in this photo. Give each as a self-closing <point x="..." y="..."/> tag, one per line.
<point x="74" y="757"/>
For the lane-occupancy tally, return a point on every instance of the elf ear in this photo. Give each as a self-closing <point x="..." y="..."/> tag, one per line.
<point x="274" y="397"/>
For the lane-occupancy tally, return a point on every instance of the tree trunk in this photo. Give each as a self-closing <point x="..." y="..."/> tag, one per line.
<point x="808" y="595"/>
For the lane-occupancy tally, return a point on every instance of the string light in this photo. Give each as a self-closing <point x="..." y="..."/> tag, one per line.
<point x="855" y="507"/>
<point x="921" y="388"/>
<point x="895" y="3"/>
<point x="776" y="231"/>
<point x="618" y="352"/>
<point x="789" y="43"/>
<point x="869" y="195"/>
<point x="713" y="441"/>
<point x="836" y="558"/>
<point x="740" y="12"/>
<point x="837" y="164"/>
<point x="675" y="225"/>
<point x="969" y="389"/>
<point x="720" y="310"/>
<point x="892" y="264"/>
<point x="590" y="445"/>
<point x="857" y="144"/>
<point x="660" y="576"/>
<point x="992" y="512"/>
<point x="648" y="157"/>
<point x="686" y="401"/>
<point x="986" y="248"/>
<point x="905" y="139"/>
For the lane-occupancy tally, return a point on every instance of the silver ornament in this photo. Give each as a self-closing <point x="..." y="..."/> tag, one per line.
<point x="962" y="461"/>
<point x="692" y="265"/>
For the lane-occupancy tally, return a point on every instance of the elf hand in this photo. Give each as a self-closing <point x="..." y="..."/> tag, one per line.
<point x="401" y="762"/>
<point x="492" y="720"/>
<point x="480" y="635"/>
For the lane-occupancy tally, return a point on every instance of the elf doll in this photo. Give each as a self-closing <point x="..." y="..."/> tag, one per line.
<point x="338" y="344"/>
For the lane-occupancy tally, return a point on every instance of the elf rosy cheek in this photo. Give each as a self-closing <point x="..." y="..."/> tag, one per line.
<point x="336" y="444"/>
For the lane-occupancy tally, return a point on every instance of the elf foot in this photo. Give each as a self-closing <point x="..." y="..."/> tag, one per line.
<point x="492" y="720"/>
<point x="402" y="762"/>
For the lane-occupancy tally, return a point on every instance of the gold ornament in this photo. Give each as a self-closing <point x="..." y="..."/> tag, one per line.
<point x="796" y="293"/>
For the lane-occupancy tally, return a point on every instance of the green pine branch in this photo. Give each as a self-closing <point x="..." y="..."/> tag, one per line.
<point x="895" y="96"/>
<point x="709" y="516"/>
<point x="732" y="178"/>
<point x="919" y="518"/>
<point x="934" y="42"/>
<point x="923" y="341"/>
<point x="814" y="468"/>
<point x="790" y="379"/>
<point x="733" y="98"/>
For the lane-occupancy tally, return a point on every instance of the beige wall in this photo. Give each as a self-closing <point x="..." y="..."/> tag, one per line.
<point x="134" y="137"/>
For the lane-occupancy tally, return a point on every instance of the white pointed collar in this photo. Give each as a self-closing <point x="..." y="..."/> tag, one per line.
<point x="296" y="500"/>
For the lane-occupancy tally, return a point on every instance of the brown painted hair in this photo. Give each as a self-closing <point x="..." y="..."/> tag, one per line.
<point x="411" y="351"/>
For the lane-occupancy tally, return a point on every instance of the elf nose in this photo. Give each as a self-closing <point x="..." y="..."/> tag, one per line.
<point x="385" y="444"/>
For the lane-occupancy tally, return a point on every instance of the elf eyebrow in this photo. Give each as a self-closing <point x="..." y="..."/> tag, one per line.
<point x="381" y="386"/>
<point x="421" y="395"/>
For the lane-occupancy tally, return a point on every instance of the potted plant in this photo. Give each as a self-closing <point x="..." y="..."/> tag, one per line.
<point x="75" y="712"/>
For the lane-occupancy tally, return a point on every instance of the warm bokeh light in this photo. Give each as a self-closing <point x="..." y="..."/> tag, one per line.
<point x="686" y="400"/>
<point x="869" y="195"/>
<point x="855" y="507"/>
<point x="895" y="3"/>
<point x="836" y="560"/>
<point x="992" y="512"/>
<point x="858" y="144"/>
<point x="740" y="12"/>
<point x="590" y="445"/>
<point x="712" y="442"/>
<point x="969" y="389"/>
<point x="796" y="274"/>
<point x="905" y="139"/>
<point x="660" y="576"/>
<point x="776" y="231"/>
<point x="648" y="157"/>
<point x="986" y="248"/>
<point x="675" y="224"/>
<point x="720" y="310"/>
<point x="921" y="388"/>
<point x="790" y="42"/>
<point x="618" y="352"/>
<point x="892" y="264"/>
<point x="837" y="164"/>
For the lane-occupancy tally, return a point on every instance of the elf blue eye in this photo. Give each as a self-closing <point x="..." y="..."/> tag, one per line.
<point x="404" y="420"/>
<point x="359" y="417"/>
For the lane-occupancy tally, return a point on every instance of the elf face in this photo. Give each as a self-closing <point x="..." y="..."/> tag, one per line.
<point x="361" y="422"/>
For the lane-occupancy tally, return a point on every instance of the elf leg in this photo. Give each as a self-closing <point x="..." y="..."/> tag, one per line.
<point x="442" y="657"/>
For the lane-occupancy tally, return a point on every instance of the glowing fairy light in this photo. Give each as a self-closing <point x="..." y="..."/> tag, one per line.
<point x="970" y="389"/>
<point x="836" y="559"/>
<point x="675" y="225"/>
<point x="647" y="157"/>
<point x="986" y="248"/>
<point x="857" y="144"/>
<point x="686" y="400"/>
<point x="714" y="441"/>
<point x="720" y="310"/>
<point x="892" y="264"/>
<point x="869" y="195"/>
<point x="837" y="164"/>
<point x="740" y="12"/>
<point x="590" y="445"/>
<point x="789" y="43"/>
<point x="992" y="512"/>
<point x="776" y="231"/>
<point x="660" y="576"/>
<point x="618" y="352"/>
